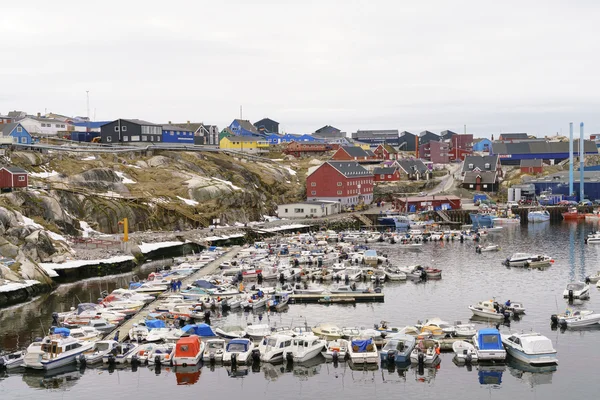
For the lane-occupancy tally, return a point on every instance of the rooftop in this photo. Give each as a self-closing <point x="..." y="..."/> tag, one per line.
<point x="427" y="198"/>
<point x="350" y="169"/>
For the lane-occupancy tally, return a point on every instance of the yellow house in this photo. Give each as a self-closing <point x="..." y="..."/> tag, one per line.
<point x="248" y="144"/>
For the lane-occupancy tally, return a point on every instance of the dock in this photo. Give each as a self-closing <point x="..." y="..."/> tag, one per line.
<point x="337" y="298"/>
<point x="208" y="269"/>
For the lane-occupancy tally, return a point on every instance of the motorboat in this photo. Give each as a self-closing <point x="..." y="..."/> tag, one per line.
<point x="161" y="334"/>
<point x="426" y="351"/>
<point x="572" y="215"/>
<point x="340" y="289"/>
<point x="201" y="330"/>
<point x="231" y="332"/>
<point x="593" y="216"/>
<point x="464" y="330"/>
<point x="398" y="348"/>
<point x="508" y="220"/>
<point x="12" y="360"/>
<point x="257" y="332"/>
<point x="485" y="249"/>
<point x="238" y="351"/>
<point x="394" y="274"/>
<point x="488" y="345"/>
<point x="531" y="348"/>
<point x="576" y="319"/>
<point x="327" y="331"/>
<point x="86" y="333"/>
<point x="305" y="347"/>
<point x="363" y="351"/>
<point x="120" y="353"/>
<point x="214" y="349"/>
<point x="538" y="216"/>
<point x="414" y="272"/>
<point x="274" y="347"/>
<point x="464" y="352"/>
<point x="528" y="260"/>
<point x="336" y="350"/>
<point x="517" y="307"/>
<point x="447" y="328"/>
<point x="278" y="301"/>
<point x="189" y="350"/>
<point x="161" y="354"/>
<point x="55" y="350"/>
<point x="306" y="289"/>
<point x="138" y="332"/>
<point x="96" y="353"/>
<point x="593" y="278"/>
<point x="490" y="309"/>
<point x="577" y="290"/>
<point x="593" y="238"/>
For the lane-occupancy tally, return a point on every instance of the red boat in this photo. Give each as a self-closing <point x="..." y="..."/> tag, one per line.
<point x="572" y="215"/>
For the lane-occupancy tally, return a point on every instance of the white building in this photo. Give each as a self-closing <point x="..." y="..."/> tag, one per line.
<point x="308" y="209"/>
<point x="43" y="126"/>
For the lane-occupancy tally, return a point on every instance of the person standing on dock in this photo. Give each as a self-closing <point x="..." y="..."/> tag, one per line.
<point x="179" y="285"/>
<point x="116" y="338"/>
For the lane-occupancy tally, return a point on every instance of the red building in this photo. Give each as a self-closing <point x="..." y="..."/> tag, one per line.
<point x="353" y="153"/>
<point x="460" y="147"/>
<point x="532" y="166"/>
<point x="436" y="152"/>
<point x="386" y="174"/>
<point x="386" y="152"/>
<point x="13" y="177"/>
<point x="343" y="181"/>
<point x="427" y="203"/>
<point x="299" y="149"/>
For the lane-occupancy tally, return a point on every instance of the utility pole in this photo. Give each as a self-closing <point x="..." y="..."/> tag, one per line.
<point x="87" y="94"/>
<point x="241" y="113"/>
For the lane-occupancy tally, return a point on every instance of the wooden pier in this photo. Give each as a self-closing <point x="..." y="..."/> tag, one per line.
<point x="208" y="269"/>
<point x="337" y="298"/>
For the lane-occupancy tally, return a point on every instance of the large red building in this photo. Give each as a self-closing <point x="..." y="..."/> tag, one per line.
<point x="13" y="177"/>
<point x="436" y="152"/>
<point x="298" y="149"/>
<point x="344" y="181"/>
<point x="353" y="153"/>
<point x="461" y="146"/>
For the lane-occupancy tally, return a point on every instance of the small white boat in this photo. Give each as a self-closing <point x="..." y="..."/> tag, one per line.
<point x="577" y="319"/>
<point x="12" y="360"/>
<point x="214" y="349"/>
<point x="336" y="350"/>
<point x="238" y="351"/>
<point x="398" y="349"/>
<point x="517" y="307"/>
<point x="426" y="351"/>
<point x="363" y="351"/>
<point x="95" y="354"/>
<point x="274" y="347"/>
<point x="327" y="331"/>
<point x="528" y="260"/>
<point x="138" y="332"/>
<point x="161" y="354"/>
<point x="593" y="238"/>
<point x="577" y="290"/>
<point x="593" y="278"/>
<point x="394" y="274"/>
<point x="120" y="353"/>
<point x="531" y="348"/>
<point x="464" y="352"/>
<point x="101" y="325"/>
<point x="490" y="310"/>
<point x="231" y="332"/>
<point x="86" y="333"/>
<point x="484" y="249"/>
<point x="488" y="345"/>
<point x="538" y="216"/>
<point x="55" y="350"/>
<point x="305" y="347"/>
<point x="257" y="332"/>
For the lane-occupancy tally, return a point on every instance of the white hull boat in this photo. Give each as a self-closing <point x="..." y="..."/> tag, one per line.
<point x="464" y="352"/>
<point x="577" y="290"/>
<point x="305" y="347"/>
<point x="12" y="360"/>
<point x="336" y="350"/>
<point x="531" y="348"/>
<point x="578" y="319"/>
<point x="273" y="348"/>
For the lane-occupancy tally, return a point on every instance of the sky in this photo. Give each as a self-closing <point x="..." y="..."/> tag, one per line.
<point x="484" y="66"/>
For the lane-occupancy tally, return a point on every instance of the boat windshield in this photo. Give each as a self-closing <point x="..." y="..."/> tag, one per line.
<point x="215" y="345"/>
<point x="271" y="342"/>
<point x="575" y="286"/>
<point x="101" y="346"/>
<point x="236" y="348"/>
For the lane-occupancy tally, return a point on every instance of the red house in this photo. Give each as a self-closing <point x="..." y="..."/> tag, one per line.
<point x="386" y="174"/>
<point x="353" y="153"/>
<point x="13" y="177"/>
<point x="386" y="152"/>
<point x="343" y="181"/>
<point x="533" y="166"/>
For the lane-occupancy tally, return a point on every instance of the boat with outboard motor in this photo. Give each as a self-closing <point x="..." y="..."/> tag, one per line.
<point x="490" y="309"/>
<point x="464" y="352"/>
<point x="55" y="350"/>
<point x="488" y="345"/>
<point x="577" y="290"/>
<point x="398" y="348"/>
<point x="336" y="350"/>
<point x="274" y="347"/>
<point x="531" y="348"/>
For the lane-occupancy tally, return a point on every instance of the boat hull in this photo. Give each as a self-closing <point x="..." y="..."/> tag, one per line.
<point x="532" y="359"/>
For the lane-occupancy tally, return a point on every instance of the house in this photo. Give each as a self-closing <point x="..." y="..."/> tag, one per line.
<point x="346" y="182"/>
<point x="482" y="145"/>
<point x="243" y="127"/>
<point x="130" y="131"/>
<point x="14" y="132"/>
<point x="351" y="153"/>
<point x="328" y="131"/>
<point x="309" y="209"/>
<point x="447" y="135"/>
<point x="427" y="136"/>
<point x="389" y="136"/>
<point x="275" y="138"/>
<point x="207" y="134"/>
<point x="427" y="203"/>
<point x="5" y="119"/>
<point x="460" y="146"/>
<point x="13" y="177"/>
<point x="177" y="134"/>
<point x="43" y="126"/>
<point x="408" y="141"/>
<point x="481" y="164"/>
<point x="532" y="166"/>
<point x="386" y="152"/>
<point x="87" y="126"/>
<point x="246" y="144"/>
<point x="481" y="181"/>
<point x="299" y="149"/>
<point x="436" y="152"/>
<point x="17" y="115"/>
<point x="413" y="169"/>
<point x="267" y="125"/>
<point x="551" y="152"/>
<point x="512" y="137"/>
<point x="386" y="174"/>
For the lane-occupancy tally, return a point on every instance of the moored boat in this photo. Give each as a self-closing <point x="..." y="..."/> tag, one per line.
<point x="488" y="345"/>
<point x="532" y="348"/>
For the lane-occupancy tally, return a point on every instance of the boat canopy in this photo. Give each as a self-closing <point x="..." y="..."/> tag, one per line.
<point x="155" y="323"/>
<point x="85" y="307"/>
<point x="536" y="344"/>
<point x="198" y="329"/>
<point x="238" y="345"/>
<point x="575" y="286"/>
<point x="370" y="253"/>
<point x="62" y="331"/>
<point x="489" y="339"/>
<point x="188" y="346"/>
<point x="362" y="344"/>
<point x="204" y="284"/>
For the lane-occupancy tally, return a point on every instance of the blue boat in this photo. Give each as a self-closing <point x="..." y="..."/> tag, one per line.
<point x="397" y="349"/>
<point x="398" y="223"/>
<point x="482" y="220"/>
<point x="202" y="330"/>
<point x="488" y="345"/>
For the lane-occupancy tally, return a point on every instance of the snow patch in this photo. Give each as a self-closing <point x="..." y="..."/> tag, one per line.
<point x="90" y="158"/>
<point x="87" y="230"/>
<point x="148" y="247"/>
<point x="227" y="183"/>
<point x="9" y="286"/>
<point x="291" y="171"/>
<point x="125" y="179"/>
<point x="29" y="222"/>
<point x="43" y="174"/>
<point x="52" y="267"/>
<point x="188" y="201"/>
<point x="56" y="236"/>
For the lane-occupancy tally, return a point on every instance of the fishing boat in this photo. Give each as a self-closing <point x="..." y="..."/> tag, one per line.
<point x="363" y="351"/>
<point x="490" y="309"/>
<point x="488" y="345"/>
<point x="238" y="351"/>
<point x="398" y="348"/>
<point x="517" y="307"/>
<point x="464" y="352"/>
<point x="305" y="347"/>
<point x="336" y="350"/>
<point x="531" y="348"/>
<point x="538" y="216"/>
<point x="12" y="360"/>
<point x="572" y="215"/>
<point x="398" y="223"/>
<point x="577" y="290"/>
<point x="214" y="349"/>
<point x="274" y="347"/>
<point x="481" y="220"/>
<point x="189" y="350"/>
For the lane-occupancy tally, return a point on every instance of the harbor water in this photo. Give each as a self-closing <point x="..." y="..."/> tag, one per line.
<point x="467" y="278"/>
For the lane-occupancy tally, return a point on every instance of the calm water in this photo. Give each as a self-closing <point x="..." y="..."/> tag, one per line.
<point x="467" y="279"/>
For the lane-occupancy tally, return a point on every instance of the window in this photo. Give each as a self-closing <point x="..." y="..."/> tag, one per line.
<point x="487" y="165"/>
<point x="135" y="138"/>
<point x="314" y="193"/>
<point x="21" y="178"/>
<point x="178" y="133"/>
<point x="485" y="186"/>
<point x="339" y="192"/>
<point x="286" y="210"/>
<point x="382" y="176"/>
<point x="471" y="186"/>
<point x="144" y="138"/>
<point x="124" y="129"/>
<point x="125" y="138"/>
<point x="313" y="184"/>
<point x="339" y="183"/>
<point x="470" y="166"/>
<point x="313" y="210"/>
<point x="19" y="129"/>
<point x="62" y="125"/>
<point x="116" y="128"/>
<point x="172" y="133"/>
<point x="23" y="140"/>
<point x="57" y="125"/>
<point x="299" y="210"/>
<point x="109" y="138"/>
<point x="158" y="139"/>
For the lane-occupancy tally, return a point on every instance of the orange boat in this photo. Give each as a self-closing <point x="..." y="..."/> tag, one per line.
<point x="572" y="215"/>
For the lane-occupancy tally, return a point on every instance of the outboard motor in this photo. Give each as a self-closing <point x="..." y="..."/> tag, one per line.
<point x="423" y="275"/>
<point x="335" y="356"/>
<point x="157" y="369"/>
<point x="259" y="278"/>
<point x="256" y="355"/>
<point x="587" y="280"/>
<point x="337" y="278"/>
<point x="55" y="319"/>
<point x="207" y="317"/>
<point x="240" y="276"/>
<point x="377" y="280"/>
<point x="233" y="360"/>
<point x="281" y="278"/>
<point x="157" y="360"/>
<point x="554" y="319"/>
<point x="571" y="295"/>
<point x="346" y="279"/>
<point x="212" y="358"/>
<point x="421" y="360"/>
<point x="391" y="356"/>
<point x="462" y="238"/>
<point x="111" y="359"/>
<point x="468" y="359"/>
<point x="289" y="357"/>
<point x="81" y="360"/>
<point x="134" y="359"/>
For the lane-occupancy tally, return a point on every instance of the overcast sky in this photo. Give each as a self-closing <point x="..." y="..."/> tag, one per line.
<point x="496" y="66"/>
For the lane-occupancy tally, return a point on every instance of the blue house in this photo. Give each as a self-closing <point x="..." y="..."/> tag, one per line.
<point x="16" y="131"/>
<point x="177" y="134"/>
<point x="243" y="127"/>
<point x="482" y="145"/>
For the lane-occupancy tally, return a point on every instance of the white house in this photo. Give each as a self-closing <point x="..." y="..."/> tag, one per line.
<point x="309" y="209"/>
<point x="43" y="126"/>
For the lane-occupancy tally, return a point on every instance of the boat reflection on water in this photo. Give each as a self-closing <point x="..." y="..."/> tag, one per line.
<point x="394" y="372"/>
<point x="62" y="378"/>
<point x="272" y="372"/>
<point x="529" y="374"/>
<point x="188" y="375"/>
<point x="491" y="374"/>
<point x="239" y="371"/>
<point x="426" y="374"/>
<point x="307" y="369"/>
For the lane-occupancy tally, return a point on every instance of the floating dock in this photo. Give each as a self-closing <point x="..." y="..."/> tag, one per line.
<point x="337" y="298"/>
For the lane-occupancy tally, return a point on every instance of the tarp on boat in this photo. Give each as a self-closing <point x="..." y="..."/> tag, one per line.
<point x="62" y="331"/>
<point x="85" y="307"/>
<point x="199" y="329"/>
<point x="155" y="323"/>
<point x="489" y="339"/>
<point x="201" y="283"/>
<point x="361" y="344"/>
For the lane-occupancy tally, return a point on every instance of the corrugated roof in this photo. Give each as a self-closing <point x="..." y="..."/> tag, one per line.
<point x="8" y="128"/>
<point x="486" y="177"/>
<point x="15" y="170"/>
<point x="247" y="125"/>
<point x="508" y="136"/>
<point x="350" y="169"/>
<point x="139" y="122"/>
<point x="175" y="128"/>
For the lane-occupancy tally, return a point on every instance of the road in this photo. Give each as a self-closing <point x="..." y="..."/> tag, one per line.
<point x="447" y="182"/>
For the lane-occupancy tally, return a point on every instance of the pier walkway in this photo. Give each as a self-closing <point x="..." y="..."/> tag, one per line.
<point x="208" y="269"/>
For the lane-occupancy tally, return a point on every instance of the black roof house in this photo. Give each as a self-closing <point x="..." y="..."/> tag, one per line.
<point x="355" y="151"/>
<point x="427" y="136"/>
<point x="411" y="166"/>
<point x="407" y="141"/>
<point x="480" y="163"/>
<point x="267" y="125"/>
